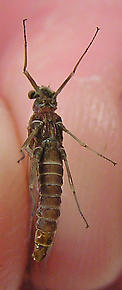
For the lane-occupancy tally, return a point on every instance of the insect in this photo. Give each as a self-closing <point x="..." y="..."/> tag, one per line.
<point x="47" y="154"/>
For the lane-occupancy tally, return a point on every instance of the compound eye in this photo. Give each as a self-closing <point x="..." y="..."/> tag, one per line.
<point x="32" y="94"/>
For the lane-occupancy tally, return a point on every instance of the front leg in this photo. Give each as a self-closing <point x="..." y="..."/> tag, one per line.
<point x="26" y="146"/>
<point x="83" y="144"/>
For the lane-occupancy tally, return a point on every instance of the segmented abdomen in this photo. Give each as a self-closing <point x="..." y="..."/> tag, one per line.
<point x="50" y="181"/>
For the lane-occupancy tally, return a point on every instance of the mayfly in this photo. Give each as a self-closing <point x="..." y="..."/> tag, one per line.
<point x="45" y="149"/>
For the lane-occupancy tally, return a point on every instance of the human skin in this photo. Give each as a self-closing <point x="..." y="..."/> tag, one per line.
<point x="91" y="108"/>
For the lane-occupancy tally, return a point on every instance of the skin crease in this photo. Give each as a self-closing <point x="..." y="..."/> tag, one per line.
<point x="90" y="107"/>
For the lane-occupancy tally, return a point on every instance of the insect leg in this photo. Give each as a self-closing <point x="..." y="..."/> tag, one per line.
<point x="26" y="144"/>
<point x="34" y="174"/>
<point x="63" y="156"/>
<point x="32" y="183"/>
<point x="75" y="67"/>
<point x="34" y="84"/>
<point x="84" y="144"/>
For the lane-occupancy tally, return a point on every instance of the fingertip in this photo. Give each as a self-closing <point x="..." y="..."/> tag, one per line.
<point x="13" y="205"/>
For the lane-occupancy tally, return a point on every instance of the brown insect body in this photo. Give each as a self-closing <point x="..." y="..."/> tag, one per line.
<point x="46" y="147"/>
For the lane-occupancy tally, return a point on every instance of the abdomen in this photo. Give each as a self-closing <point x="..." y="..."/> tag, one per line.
<point x="48" y="211"/>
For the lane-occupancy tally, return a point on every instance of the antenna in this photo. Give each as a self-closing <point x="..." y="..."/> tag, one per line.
<point x="75" y="67"/>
